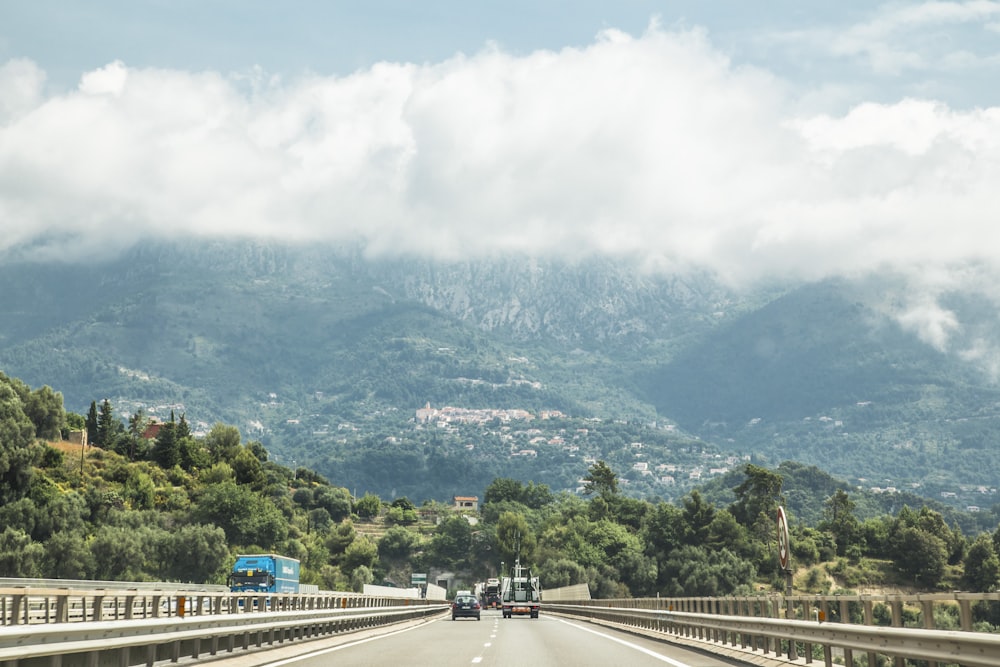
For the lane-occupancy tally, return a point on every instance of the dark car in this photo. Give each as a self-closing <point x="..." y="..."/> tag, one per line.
<point x="465" y="606"/>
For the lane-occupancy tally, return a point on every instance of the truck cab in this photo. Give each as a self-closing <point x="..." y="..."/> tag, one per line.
<point x="264" y="573"/>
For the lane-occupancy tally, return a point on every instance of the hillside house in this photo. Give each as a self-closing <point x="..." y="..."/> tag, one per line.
<point x="466" y="503"/>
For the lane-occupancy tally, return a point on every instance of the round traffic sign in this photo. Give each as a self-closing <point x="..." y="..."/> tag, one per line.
<point x="783" y="547"/>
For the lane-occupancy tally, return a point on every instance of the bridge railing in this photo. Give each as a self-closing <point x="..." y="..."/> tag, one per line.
<point x="935" y="629"/>
<point x="79" y="627"/>
<point x="26" y="606"/>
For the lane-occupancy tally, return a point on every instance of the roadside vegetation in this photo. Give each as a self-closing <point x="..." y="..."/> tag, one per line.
<point x="179" y="508"/>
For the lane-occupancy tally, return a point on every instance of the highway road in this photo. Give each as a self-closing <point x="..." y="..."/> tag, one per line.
<point x="548" y="641"/>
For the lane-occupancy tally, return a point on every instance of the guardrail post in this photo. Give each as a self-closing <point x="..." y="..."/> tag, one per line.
<point x="965" y="614"/>
<point x="927" y="610"/>
<point x="18" y="601"/>
<point x="807" y="613"/>
<point x="845" y="617"/>
<point x="897" y="622"/>
<point x="870" y="620"/>
<point x="62" y="608"/>
<point x="747" y="608"/>
<point x="789" y="614"/>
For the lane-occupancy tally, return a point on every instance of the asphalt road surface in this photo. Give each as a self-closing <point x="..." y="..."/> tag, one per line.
<point x="547" y="641"/>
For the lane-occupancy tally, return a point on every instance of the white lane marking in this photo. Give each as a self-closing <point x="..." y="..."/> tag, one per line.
<point x="475" y="660"/>
<point x="314" y="654"/>
<point x="487" y="644"/>
<point x="652" y="654"/>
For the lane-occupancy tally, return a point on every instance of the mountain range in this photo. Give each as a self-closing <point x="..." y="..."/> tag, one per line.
<point x="269" y="337"/>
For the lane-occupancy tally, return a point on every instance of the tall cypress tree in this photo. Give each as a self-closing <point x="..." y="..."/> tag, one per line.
<point x="166" y="453"/>
<point x="92" y="424"/>
<point x="105" y="426"/>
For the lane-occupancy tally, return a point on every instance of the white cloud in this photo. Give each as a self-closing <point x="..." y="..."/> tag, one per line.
<point x="107" y="80"/>
<point x="902" y="37"/>
<point x="933" y="324"/>
<point x="656" y="147"/>
<point x="21" y="82"/>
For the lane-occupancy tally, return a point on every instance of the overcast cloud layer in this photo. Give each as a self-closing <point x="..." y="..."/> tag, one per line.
<point x="655" y="147"/>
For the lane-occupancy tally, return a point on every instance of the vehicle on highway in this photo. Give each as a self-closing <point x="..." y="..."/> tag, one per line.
<point x="488" y="593"/>
<point x="465" y="606"/>
<point x="520" y="593"/>
<point x="264" y="573"/>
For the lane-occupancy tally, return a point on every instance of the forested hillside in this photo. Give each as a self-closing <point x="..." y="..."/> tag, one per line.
<point x="324" y="355"/>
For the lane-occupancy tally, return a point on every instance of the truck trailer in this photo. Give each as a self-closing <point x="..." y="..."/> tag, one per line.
<point x="264" y="573"/>
<point x="489" y="596"/>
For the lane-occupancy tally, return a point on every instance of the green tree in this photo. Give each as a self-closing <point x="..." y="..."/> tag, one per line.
<point x="249" y="470"/>
<point x="360" y="576"/>
<point x="67" y="556"/>
<point x="362" y="552"/>
<point x="118" y="553"/>
<point x="137" y="425"/>
<point x="108" y="427"/>
<point x="246" y="517"/>
<point x="19" y="555"/>
<point x="319" y="519"/>
<point x="839" y="519"/>
<point x="451" y="542"/>
<point x="920" y="555"/>
<point x="196" y="553"/>
<point x="693" y="571"/>
<point x="335" y="500"/>
<point x="192" y="455"/>
<point x="757" y="499"/>
<point x="369" y="506"/>
<point x="183" y="429"/>
<point x="92" y="424"/>
<point x="44" y="408"/>
<point x="561" y="572"/>
<point x="697" y="517"/>
<point x="982" y="566"/>
<point x="724" y="532"/>
<point x="503" y="488"/>
<point x="17" y="456"/>
<point x="223" y="442"/>
<point x="600" y="479"/>
<point x="398" y="544"/>
<point x="166" y="451"/>
<point x="339" y="539"/>
<point x="514" y="538"/>
<point x="139" y="490"/>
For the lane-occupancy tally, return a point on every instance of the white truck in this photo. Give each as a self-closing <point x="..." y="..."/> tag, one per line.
<point x="520" y="593"/>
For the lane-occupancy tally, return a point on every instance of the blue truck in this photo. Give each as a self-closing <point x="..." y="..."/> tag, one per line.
<point x="264" y="573"/>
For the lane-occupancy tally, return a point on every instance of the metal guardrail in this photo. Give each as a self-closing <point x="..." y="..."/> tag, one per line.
<point x="82" y="627"/>
<point x="91" y="584"/>
<point x="774" y="630"/>
<point x="25" y="606"/>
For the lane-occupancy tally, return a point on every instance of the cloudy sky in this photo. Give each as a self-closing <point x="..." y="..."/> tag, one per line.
<point x="756" y="139"/>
